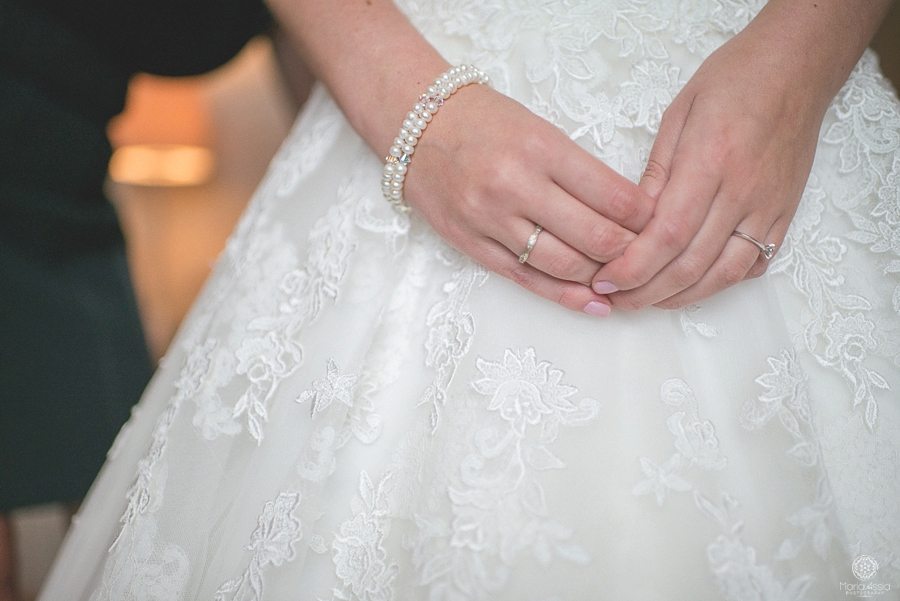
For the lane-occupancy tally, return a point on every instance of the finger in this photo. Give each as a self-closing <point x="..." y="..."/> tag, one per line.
<point x="690" y="266"/>
<point x="577" y="297"/>
<point x="549" y="254"/>
<point x="599" y="187"/>
<point x="659" y="163"/>
<point x="730" y="267"/>
<point x="681" y="210"/>
<point x="578" y="225"/>
<point x="777" y="235"/>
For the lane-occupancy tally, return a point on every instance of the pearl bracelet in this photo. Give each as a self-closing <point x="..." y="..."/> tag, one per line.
<point x="400" y="154"/>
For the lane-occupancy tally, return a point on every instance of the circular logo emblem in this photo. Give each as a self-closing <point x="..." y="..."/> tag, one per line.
<point x="864" y="567"/>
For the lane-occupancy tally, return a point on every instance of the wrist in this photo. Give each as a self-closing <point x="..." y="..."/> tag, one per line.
<point x="376" y="113"/>
<point x="811" y="47"/>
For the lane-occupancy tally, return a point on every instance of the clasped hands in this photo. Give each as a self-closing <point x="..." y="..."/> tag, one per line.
<point x="733" y="152"/>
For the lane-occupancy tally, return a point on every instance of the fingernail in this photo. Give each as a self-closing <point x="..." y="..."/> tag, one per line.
<point x="597" y="309"/>
<point x="604" y="287"/>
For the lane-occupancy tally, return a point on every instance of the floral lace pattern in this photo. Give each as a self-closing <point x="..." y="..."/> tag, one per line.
<point x="271" y="544"/>
<point x="732" y="561"/>
<point x="498" y="484"/>
<point x="399" y="424"/>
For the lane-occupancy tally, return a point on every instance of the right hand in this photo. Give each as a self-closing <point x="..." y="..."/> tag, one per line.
<point x="487" y="170"/>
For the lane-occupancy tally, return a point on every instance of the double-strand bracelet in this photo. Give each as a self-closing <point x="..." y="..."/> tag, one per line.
<point x="399" y="156"/>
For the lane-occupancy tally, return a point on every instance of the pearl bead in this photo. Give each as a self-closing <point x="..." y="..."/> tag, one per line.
<point x="423" y="111"/>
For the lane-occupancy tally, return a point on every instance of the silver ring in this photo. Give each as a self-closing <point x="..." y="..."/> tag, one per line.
<point x="767" y="250"/>
<point x="529" y="246"/>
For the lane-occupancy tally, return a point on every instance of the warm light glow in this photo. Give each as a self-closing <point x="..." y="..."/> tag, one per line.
<point x="161" y="165"/>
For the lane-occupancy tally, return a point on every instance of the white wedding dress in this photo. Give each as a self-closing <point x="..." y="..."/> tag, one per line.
<point x="354" y="411"/>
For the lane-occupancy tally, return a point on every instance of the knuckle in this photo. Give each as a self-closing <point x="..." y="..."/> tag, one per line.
<point x="687" y="271"/>
<point x="499" y="178"/>
<point x="521" y="275"/>
<point x="563" y="265"/>
<point x="567" y="299"/>
<point x="622" y="202"/>
<point x="470" y="204"/>
<point x="535" y="146"/>
<point x="656" y="170"/>
<point x="732" y="273"/>
<point x="601" y="244"/>
<point x="674" y="233"/>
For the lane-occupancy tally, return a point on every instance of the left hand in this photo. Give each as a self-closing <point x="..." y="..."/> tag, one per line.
<point x="734" y="152"/>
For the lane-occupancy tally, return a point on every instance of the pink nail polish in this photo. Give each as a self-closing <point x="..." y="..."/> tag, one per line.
<point x="604" y="287"/>
<point x="597" y="309"/>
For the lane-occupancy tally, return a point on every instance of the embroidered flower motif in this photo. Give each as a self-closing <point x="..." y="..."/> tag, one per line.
<point x="267" y="357"/>
<point x="660" y="479"/>
<point x="355" y="558"/>
<point x="739" y="577"/>
<point x="330" y="388"/>
<point x="277" y="531"/>
<point x="696" y="440"/>
<point x="195" y="369"/>
<point x="522" y="389"/>
<point x="153" y="570"/>
<point x="359" y="555"/>
<point x="785" y="389"/>
<point x="652" y="88"/>
<point x="498" y="504"/>
<point x="849" y="337"/>
<point x="271" y="544"/>
<point x="889" y="196"/>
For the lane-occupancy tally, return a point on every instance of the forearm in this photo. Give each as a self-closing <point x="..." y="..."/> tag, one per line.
<point x="373" y="61"/>
<point x="816" y="43"/>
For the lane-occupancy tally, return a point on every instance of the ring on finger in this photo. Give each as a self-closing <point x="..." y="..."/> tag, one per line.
<point x="529" y="246"/>
<point x="766" y="250"/>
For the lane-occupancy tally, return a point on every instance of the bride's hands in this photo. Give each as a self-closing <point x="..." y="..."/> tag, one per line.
<point x="487" y="170"/>
<point x="733" y="152"/>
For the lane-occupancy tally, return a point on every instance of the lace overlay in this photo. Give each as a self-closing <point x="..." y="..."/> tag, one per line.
<point x="354" y="411"/>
